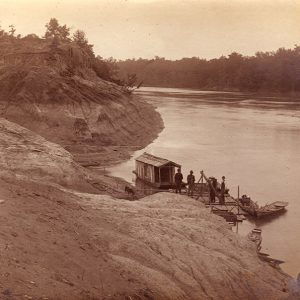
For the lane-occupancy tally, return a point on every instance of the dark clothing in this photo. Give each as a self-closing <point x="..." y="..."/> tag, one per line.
<point x="190" y="179"/>
<point x="223" y="187"/>
<point x="222" y="195"/>
<point x="215" y="183"/>
<point x="212" y="195"/>
<point x="178" y="182"/>
<point x="212" y="189"/>
<point x="178" y="187"/>
<point x="178" y="177"/>
<point x="191" y="183"/>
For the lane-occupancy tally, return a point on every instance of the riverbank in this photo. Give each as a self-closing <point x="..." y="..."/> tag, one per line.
<point x="140" y="127"/>
<point x="85" y="246"/>
<point x="64" y="237"/>
<point x="263" y="93"/>
<point x="58" y="95"/>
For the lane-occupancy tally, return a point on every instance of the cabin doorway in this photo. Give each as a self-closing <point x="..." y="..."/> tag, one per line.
<point x="165" y="175"/>
<point x="156" y="174"/>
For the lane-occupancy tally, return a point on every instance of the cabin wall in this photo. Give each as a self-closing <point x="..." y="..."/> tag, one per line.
<point x="172" y="173"/>
<point x="156" y="175"/>
<point x="145" y="171"/>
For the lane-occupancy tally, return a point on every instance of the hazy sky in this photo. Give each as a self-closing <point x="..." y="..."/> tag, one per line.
<point x="169" y="28"/>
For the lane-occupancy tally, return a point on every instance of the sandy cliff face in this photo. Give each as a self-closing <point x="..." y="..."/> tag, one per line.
<point x="24" y="154"/>
<point x="59" y="243"/>
<point x="54" y="92"/>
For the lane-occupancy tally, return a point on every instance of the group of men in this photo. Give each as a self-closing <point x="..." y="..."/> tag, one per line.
<point x="213" y="190"/>
<point x="190" y="182"/>
<point x="212" y="183"/>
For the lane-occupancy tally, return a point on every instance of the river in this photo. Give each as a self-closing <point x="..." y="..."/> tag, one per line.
<point x="253" y="140"/>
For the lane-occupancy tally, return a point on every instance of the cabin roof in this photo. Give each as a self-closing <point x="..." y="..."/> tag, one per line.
<point x="155" y="161"/>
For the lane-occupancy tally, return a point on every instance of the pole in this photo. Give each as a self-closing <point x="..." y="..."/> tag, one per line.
<point x="238" y="203"/>
<point x="201" y="184"/>
<point x="238" y="199"/>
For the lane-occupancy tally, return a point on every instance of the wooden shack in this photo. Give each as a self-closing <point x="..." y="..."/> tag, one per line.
<point x="156" y="171"/>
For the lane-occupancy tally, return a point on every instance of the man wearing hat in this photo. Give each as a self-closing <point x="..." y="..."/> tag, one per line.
<point x="191" y="183"/>
<point x="222" y="194"/>
<point x="178" y="181"/>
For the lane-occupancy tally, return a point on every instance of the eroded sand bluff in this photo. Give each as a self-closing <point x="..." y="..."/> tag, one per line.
<point x="54" y="91"/>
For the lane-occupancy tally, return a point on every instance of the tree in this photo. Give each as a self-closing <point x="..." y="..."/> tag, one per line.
<point x="2" y="32"/>
<point x="31" y="36"/>
<point x="112" y="67"/>
<point x="54" y="30"/>
<point x="277" y="71"/>
<point x="12" y="30"/>
<point x="101" y="68"/>
<point x="79" y="37"/>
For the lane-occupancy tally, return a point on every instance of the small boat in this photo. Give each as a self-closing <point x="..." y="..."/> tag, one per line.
<point x="271" y="209"/>
<point x="255" y="236"/>
<point x="253" y="209"/>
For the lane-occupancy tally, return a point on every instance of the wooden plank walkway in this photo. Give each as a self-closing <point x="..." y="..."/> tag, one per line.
<point x="230" y="211"/>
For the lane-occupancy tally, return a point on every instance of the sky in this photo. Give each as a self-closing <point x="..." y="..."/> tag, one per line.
<point x="167" y="28"/>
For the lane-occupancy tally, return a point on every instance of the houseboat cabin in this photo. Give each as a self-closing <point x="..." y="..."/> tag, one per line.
<point x="156" y="171"/>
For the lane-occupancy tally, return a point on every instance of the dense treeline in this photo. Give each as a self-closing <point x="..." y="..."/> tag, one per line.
<point x="266" y="71"/>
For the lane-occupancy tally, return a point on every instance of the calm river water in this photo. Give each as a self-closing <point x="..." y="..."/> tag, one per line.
<point x="253" y="141"/>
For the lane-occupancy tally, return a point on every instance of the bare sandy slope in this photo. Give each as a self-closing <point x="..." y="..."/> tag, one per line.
<point x="62" y="245"/>
<point x="59" y="241"/>
<point x="24" y="154"/>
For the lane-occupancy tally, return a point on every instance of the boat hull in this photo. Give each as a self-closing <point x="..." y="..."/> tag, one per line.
<point x="254" y="210"/>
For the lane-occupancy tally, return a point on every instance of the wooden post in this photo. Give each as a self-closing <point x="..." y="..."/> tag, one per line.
<point x="201" y="184"/>
<point x="159" y="179"/>
<point x="238" y="199"/>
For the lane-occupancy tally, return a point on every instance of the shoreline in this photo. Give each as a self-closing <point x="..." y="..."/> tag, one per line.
<point x="139" y="247"/>
<point x="290" y="95"/>
<point x="94" y="155"/>
<point x="97" y="158"/>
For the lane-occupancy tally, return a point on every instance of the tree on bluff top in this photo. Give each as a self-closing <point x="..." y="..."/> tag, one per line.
<point x="54" y="30"/>
<point x="79" y="37"/>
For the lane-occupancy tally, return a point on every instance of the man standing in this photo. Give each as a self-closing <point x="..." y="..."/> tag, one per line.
<point x="222" y="194"/>
<point x="178" y="181"/>
<point x="191" y="183"/>
<point x="212" y="189"/>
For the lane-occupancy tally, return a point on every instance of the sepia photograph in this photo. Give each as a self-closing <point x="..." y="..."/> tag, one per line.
<point x="149" y="149"/>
